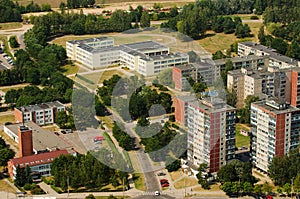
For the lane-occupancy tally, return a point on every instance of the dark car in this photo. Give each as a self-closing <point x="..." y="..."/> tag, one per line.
<point x="56" y="133"/>
<point x="161" y="174"/>
<point x="63" y="132"/>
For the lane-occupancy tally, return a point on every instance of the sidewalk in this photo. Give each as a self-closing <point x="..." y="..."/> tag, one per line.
<point x="48" y="189"/>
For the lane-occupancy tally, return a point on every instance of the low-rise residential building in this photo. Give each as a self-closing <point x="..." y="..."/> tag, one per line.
<point x="211" y="133"/>
<point x="274" y="132"/>
<point x="41" y="114"/>
<point x="147" y="58"/>
<point x="275" y="59"/>
<point x="40" y="163"/>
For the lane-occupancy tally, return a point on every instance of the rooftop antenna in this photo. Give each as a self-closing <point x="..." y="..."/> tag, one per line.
<point x="23" y="110"/>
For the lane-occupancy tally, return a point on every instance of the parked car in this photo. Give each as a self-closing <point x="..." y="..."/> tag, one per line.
<point x="165" y="185"/>
<point x="161" y="174"/>
<point x="56" y="133"/>
<point x="163" y="180"/>
<point x="156" y="193"/>
<point x="63" y="132"/>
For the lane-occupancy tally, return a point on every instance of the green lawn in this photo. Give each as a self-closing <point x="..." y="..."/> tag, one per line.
<point x="139" y="181"/>
<point x="7" y="118"/>
<point x="242" y="140"/>
<point x="11" y="25"/>
<point x="221" y="41"/>
<point x="70" y="69"/>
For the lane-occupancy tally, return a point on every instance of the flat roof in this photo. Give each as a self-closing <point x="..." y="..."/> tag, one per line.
<point x="263" y="104"/>
<point x="162" y="57"/>
<point x="144" y="45"/>
<point x="41" y="106"/>
<point x="212" y="104"/>
<point x="83" y="41"/>
<point x="42" y="139"/>
<point x="272" y="53"/>
<point x="239" y="59"/>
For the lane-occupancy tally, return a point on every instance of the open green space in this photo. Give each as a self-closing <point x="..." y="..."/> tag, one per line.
<point x="139" y="181"/>
<point x="242" y="140"/>
<point x="70" y="69"/>
<point x="11" y="25"/>
<point x="221" y="41"/>
<point x="4" y="186"/>
<point x="7" y="118"/>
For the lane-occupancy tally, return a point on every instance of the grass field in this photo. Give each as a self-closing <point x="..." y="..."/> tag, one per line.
<point x="175" y="175"/>
<point x="4" y="186"/>
<point x="7" y="118"/>
<point x="107" y="121"/>
<point x="17" y="86"/>
<point x="139" y="181"/>
<point x="56" y="3"/>
<point x="221" y="41"/>
<point x="186" y="182"/>
<point x="11" y="25"/>
<point x="242" y="140"/>
<point x="70" y="69"/>
<point x="108" y="74"/>
<point x="214" y="187"/>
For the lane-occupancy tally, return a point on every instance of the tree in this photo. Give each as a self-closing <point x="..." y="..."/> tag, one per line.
<point x="297" y="183"/>
<point x="280" y="45"/>
<point x="27" y="173"/>
<point x="202" y="180"/>
<point x="231" y="98"/>
<point x="145" y="20"/>
<point x="250" y="99"/>
<point x="266" y="188"/>
<point x="226" y="187"/>
<point x="228" y="67"/>
<point x="5" y="155"/>
<point x="172" y="164"/>
<point x="20" y="177"/>
<point x="199" y="87"/>
<point x="247" y="187"/>
<point x="90" y="196"/>
<point x="287" y="188"/>
<point x="261" y="35"/>
<point x="218" y="55"/>
<point x="13" y="42"/>
<point x="143" y="121"/>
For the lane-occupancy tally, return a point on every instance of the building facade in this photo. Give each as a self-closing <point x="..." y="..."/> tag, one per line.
<point x="147" y="58"/>
<point x="274" y="132"/>
<point x="263" y="83"/>
<point x="40" y="163"/>
<point x="275" y="59"/>
<point x="41" y="114"/>
<point x="211" y="133"/>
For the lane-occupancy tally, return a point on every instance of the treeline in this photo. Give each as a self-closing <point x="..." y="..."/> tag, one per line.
<point x="71" y="4"/>
<point x="124" y="139"/>
<point x="286" y="41"/>
<point x="11" y="12"/>
<point x="34" y="95"/>
<point x="84" y="171"/>
<point x="78" y="23"/>
<point x="196" y="18"/>
<point x="5" y="152"/>
<point x="229" y="26"/>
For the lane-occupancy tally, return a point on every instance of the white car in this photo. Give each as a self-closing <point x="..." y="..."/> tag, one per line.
<point x="157" y="193"/>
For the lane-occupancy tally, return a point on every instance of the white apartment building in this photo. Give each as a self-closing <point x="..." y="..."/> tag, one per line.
<point x="274" y="132"/>
<point x="275" y="59"/>
<point x="211" y="133"/>
<point x="147" y="58"/>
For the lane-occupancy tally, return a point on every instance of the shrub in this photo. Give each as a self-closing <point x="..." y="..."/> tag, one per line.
<point x="27" y="186"/>
<point x="254" y="17"/>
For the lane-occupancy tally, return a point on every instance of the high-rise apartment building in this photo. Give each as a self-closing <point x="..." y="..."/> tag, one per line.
<point x="275" y="131"/>
<point x="211" y="133"/>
